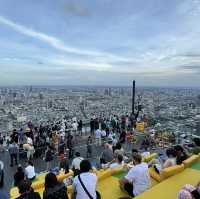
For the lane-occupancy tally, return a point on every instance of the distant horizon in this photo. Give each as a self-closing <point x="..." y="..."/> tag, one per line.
<point x="103" y="86"/>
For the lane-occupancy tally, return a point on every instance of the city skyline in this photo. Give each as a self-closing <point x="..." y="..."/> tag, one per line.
<point x="100" y="42"/>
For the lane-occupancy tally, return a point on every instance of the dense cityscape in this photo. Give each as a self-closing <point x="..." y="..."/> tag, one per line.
<point x="176" y="109"/>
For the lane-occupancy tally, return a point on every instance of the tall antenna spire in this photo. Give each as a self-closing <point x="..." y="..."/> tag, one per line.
<point x="133" y="98"/>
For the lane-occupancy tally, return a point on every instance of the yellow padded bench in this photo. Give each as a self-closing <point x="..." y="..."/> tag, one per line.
<point x="191" y="160"/>
<point x="166" y="173"/>
<point x="39" y="184"/>
<point x="150" y="157"/>
<point x="169" y="188"/>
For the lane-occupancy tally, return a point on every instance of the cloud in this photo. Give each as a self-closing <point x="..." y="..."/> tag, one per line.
<point x="58" y="44"/>
<point x="79" y="64"/>
<point x="50" y="40"/>
<point x="193" y="67"/>
<point x="76" y="9"/>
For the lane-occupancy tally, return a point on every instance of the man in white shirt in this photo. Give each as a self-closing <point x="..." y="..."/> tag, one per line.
<point x="137" y="180"/>
<point x="30" y="171"/>
<point x="117" y="163"/>
<point x="89" y="180"/>
<point x="76" y="161"/>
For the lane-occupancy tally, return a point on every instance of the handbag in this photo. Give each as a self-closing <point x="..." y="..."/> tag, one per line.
<point x="86" y="191"/>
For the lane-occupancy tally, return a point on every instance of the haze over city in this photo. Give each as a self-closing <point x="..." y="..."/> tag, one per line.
<point x="100" y="42"/>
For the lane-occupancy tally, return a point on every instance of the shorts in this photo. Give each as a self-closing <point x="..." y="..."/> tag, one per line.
<point x="128" y="187"/>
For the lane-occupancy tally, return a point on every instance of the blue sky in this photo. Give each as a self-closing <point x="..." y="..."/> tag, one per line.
<point x="100" y="42"/>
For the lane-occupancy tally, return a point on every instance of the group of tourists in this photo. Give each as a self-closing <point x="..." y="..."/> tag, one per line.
<point x="109" y="134"/>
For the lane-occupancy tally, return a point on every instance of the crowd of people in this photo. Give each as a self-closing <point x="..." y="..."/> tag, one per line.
<point x="61" y="137"/>
<point x="84" y="182"/>
<point x="109" y="134"/>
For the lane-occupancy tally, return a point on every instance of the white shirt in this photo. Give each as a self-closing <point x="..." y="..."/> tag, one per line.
<point x="30" y="171"/>
<point x="116" y="165"/>
<point x="75" y="126"/>
<point x="169" y="162"/>
<point x="29" y="141"/>
<point x="76" y="162"/>
<point x="98" y="133"/>
<point x="90" y="182"/>
<point x="103" y="133"/>
<point x="114" y="142"/>
<point x="140" y="178"/>
<point x="1" y="165"/>
<point x="145" y="154"/>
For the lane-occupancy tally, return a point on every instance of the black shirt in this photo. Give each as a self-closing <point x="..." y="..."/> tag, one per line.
<point x="181" y="158"/>
<point x="18" y="177"/>
<point x="30" y="195"/>
<point x="57" y="192"/>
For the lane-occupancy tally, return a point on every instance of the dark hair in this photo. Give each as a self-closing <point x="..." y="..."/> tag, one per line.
<point x="171" y="152"/>
<point x="134" y="150"/>
<point x="50" y="180"/>
<point x="24" y="186"/>
<point x="30" y="163"/>
<point x="179" y="148"/>
<point x="118" y="146"/>
<point x="64" y="164"/>
<point x="85" y="166"/>
<point x="77" y="154"/>
<point x="137" y="158"/>
<point x="120" y="158"/>
<point x="19" y="168"/>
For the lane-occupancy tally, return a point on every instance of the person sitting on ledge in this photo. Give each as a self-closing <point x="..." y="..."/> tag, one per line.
<point x="30" y="171"/>
<point x="189" y="192"/>
<point x="26" y="191"/>
<point x="117" y="163"/>
<point x="84" y="185"/>
<point x="180" y="154"/>
<point x="137" y="180"/>
<point x="53" y="188"/>
<point x="19" y="175"/>
<point x="158" y="165"/>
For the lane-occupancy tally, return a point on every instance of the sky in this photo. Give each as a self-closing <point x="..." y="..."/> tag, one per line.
<point x="100" y="42"/>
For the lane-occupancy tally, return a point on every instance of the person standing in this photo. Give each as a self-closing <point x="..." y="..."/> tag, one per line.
<point x="21" y="136"/>
<point x="80" y="126"/>
<point x="70" y="146"/>
<point x="30" y="148"/>
<point x="106" y="156"/>
<point x="98" y="137"/>
<point x="1" y="143"/>
<point x="92" y="126"/>
<point x="48" y="157"/>
<point x="89" y="147"/>
<point x="1" y="174"/>
<point x="14" y="136"/>
<point x="13" y="151"/>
